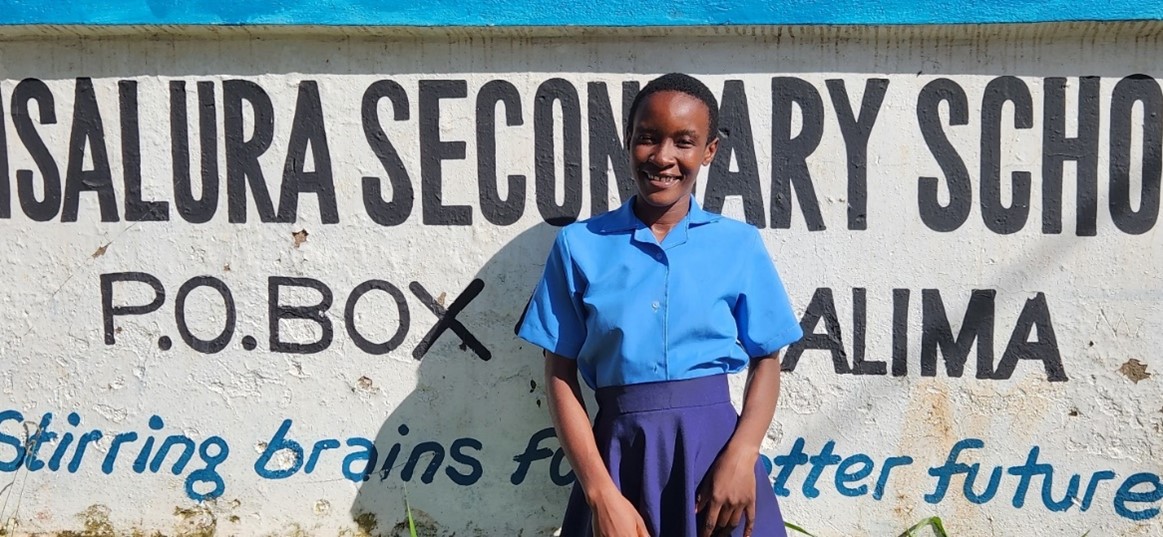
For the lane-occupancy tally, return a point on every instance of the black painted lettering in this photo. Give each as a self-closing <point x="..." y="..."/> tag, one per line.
<point x="937" y="335"/>
<point x="1057" y="148"/>
<point x="31" y="89"/>
<point x="533" y="453"/>
<point x="999" y="218"/>
<point x="109" y="312"/>
<point x="402" y="324"/>
<point x="856" y="131"/>
<point x="1130" y="90"/>
<point x="1035" y="317"/>
<point x="936" y="216"/>
<point x="821" y="307"/>
<point x="456" y="453"/>
<point x="435" y="449"/>
<point x="136" y="209"/>
<point x="630" y="90"/>
<point x="735" y="139"/>
<point x="606" y="149"/>
<point x="789" y="165"/>
<point x="497" y="210"/>
<point x="393" y="454"/>
<point x="196" y="210"/>
<point x="397" y="210"/>
<point x="900" y="332"/>
<point x="433" y="151"/>
<point x="316" y="313"/>
<point x="859" y="329"/>
<point x="5" y="179"/>
<point x="447" y="320"/>
<point x="242" y="166"/>
<point x="219" y="342"/>
<point x="88" y="130"/>
<point x="557" y="90"/>
<point x="307" y="129"/>
<point x="556" y="475"/>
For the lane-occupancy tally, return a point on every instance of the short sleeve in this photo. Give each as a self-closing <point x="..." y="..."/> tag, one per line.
<point x="763" y="313"/>
<point x="554" y="319"/>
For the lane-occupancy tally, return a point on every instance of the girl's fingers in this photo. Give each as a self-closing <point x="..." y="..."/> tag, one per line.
<point x="728" y="517"/>
<point x="711" y="521"/>
<point x="736" y="517"/>
<point x="750" y="519"/>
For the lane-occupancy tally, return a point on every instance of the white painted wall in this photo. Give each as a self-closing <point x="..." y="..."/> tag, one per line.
<point x="1103" y="293"/>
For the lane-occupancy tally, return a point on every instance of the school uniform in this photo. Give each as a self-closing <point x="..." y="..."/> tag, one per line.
<point x="655" y="330"/>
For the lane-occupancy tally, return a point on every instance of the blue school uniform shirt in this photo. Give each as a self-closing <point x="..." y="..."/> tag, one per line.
<point x="631" y="310"/>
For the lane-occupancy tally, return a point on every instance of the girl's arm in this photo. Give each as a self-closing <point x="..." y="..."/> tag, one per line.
<point x="759" y="399"/>
<point x="613" y="513"/>
<point x="728" y="492"/>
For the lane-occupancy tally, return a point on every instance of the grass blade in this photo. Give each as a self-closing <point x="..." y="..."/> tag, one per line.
<point x="408" y="511"/>
<point x="798" y="529"/>
<point x="933" y="522"/>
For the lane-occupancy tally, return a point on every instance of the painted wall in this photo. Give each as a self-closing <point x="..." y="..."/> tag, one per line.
<point x="267" y="286"/>
<point x="488" y="13"/>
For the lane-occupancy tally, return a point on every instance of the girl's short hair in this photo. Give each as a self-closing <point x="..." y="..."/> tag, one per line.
<point x="681" y="83"/>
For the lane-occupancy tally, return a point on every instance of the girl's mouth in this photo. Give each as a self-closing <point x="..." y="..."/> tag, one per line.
<point x="662" y="180"/>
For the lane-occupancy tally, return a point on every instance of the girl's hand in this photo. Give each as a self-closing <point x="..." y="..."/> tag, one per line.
<point x="615" y="516"/>
<point x="727" y="493"/>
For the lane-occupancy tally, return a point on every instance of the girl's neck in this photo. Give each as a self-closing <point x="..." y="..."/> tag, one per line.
<point x="661" y="220"/>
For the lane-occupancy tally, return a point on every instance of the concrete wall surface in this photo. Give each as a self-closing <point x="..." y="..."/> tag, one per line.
<point x="258" y="285"/>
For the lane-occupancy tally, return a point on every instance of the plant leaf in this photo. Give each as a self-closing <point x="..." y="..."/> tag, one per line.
<point x="796" y="528"/>
<point x="933" y="522"/>
<point x="408" y="510"/>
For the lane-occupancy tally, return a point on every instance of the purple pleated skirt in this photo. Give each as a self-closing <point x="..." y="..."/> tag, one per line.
<point x="658" y="441"/>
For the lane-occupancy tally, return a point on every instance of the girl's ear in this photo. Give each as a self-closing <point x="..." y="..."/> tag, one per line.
<point x="709" y="152"/>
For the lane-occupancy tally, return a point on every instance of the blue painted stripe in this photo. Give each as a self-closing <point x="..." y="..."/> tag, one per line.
<point x="568" y="13"/>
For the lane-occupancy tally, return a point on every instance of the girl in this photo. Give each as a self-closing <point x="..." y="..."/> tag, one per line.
<point x="655" y="303"/>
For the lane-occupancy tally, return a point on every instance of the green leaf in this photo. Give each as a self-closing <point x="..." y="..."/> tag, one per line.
<point x="408" y="510"/>
<point x="796" y="528"/>
<point x="933" y="522"/>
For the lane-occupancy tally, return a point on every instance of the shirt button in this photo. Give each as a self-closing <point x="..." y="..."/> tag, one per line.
<point x="655" y="305"/>
<point x="658" y="256"/>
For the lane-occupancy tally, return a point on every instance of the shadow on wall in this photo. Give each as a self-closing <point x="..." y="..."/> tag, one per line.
<point x="449" y="446"/>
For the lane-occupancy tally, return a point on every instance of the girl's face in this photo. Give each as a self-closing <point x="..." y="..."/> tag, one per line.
<point x="668" y="144"/>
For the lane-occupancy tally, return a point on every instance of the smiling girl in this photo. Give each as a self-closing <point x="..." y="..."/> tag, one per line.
<point x="655" y="304"/>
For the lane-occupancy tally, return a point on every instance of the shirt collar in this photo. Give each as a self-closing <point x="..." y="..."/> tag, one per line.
<point x="624" y="219"/>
